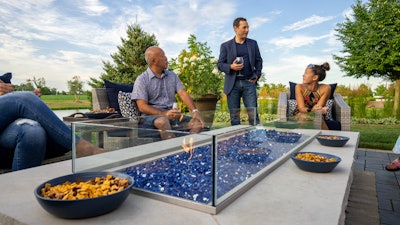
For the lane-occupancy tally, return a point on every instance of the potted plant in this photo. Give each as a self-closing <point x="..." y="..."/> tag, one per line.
<point x="197" y="69"/>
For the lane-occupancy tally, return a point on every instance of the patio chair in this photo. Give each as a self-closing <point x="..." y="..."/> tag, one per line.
<point x="115" y="140"/>
<point x="340" y="111"/>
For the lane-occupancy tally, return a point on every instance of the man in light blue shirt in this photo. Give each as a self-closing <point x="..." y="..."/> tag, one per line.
<point x="154" y="92"/>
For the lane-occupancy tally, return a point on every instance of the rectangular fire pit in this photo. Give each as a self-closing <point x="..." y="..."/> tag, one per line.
<point x="205" y="171"/>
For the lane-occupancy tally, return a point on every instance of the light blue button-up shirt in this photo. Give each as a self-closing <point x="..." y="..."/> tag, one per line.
<point x="158" y="92"/>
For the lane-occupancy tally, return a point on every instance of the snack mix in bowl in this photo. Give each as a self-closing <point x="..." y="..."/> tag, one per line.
<point x="315" y="161"/>
<point x="83" y="195"/>
<point x="332" y="140"/>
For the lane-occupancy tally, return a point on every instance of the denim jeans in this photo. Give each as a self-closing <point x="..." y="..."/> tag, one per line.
<point x="247" y="91"/>
<point x="27" y="125"/>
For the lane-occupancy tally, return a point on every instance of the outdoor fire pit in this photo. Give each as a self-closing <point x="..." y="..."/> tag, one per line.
<point x="239" y="158"/>
<point x="204" y="171"/>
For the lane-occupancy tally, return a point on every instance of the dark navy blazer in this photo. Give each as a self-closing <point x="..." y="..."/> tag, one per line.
<point x="228" y="54"/>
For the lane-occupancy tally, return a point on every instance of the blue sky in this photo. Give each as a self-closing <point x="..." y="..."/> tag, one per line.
<point x="60" y="39"/>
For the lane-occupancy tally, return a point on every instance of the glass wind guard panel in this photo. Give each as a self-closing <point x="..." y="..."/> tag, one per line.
<point x="204" y="171"/>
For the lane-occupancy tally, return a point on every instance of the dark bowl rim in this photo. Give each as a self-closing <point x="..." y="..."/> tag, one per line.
<point x="338" y="159"/>
<point x="99" y="114"/>
<point x="39" y="187"/>
<point x="342" y="138"/>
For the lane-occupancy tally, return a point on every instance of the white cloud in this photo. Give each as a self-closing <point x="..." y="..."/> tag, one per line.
<point x="333" y="40"/>
<point x="257" y="22"/>
<point x="81" y="43"/>
<point x="173" y="23"/>
<point x="59" y="39"/>
<point x="308" y="22"/>
<point x="348" y="13"/>
<point x="93" y="7"/>
<point x="296" y="41"/>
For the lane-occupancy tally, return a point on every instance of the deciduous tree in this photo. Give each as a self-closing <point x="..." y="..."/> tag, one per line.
<point x="371" y="41"/>
<point x="75" y="87"/>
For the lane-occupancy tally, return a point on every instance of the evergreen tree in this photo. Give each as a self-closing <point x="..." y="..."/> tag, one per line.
<point x="371" y="40"/>
<point x="128" y="62"/>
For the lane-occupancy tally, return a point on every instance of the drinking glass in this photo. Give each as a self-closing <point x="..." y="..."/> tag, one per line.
<point x="175" y="106"/>
<point x="239" y="60"/>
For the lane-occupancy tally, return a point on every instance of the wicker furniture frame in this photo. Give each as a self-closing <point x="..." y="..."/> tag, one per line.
<point x="342" y="111"/>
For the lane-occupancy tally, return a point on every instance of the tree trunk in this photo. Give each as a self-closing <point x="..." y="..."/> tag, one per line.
<point x="396" y="98"/>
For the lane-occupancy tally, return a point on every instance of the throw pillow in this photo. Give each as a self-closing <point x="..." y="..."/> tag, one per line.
<point x="6" y="78"/>
<point x="128" y="106"/>
<point x="112" y="90"/>
<point x="292" y="104"/>
<point x="292" y="87"/>
<point x="329" y="104"/>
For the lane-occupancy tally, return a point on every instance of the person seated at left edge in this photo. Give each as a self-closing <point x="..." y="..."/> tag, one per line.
<point x="154" y="92"/>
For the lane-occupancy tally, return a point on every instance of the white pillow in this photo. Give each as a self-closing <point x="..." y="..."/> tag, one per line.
<point x="292" y="104"/>
<point x="128" y="106"/>
<point x="329" y="104"/>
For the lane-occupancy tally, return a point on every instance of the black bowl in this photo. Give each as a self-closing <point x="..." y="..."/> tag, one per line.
<point x="316" y="167"/>
<point x="99" y="115"/>
<point x="83" y="208"/>
<point x="332" y="140"/>
<point x="287" y="137"/>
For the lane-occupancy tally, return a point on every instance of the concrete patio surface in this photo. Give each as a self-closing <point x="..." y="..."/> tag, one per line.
<point x="375" y="193"/>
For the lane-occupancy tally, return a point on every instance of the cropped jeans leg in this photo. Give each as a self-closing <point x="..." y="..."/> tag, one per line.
<point x="26" y="140"/>
<point x="19" y="104"/>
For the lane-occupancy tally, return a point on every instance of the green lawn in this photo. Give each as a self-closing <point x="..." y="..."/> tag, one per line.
<point x="66" y="102"/>
<point x="377" y="136"/>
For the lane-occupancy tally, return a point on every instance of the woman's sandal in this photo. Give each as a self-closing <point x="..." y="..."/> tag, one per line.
<point x="393" y="166"/>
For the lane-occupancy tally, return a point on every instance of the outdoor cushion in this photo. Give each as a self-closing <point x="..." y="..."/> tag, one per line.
<point x="292" y="104"/>
<point x="128" y="106"/>
<point x="112" y="90"/>
<point x="329" y="104"/>
<point x="6" y="78"/>
<point x="292" y="87"/>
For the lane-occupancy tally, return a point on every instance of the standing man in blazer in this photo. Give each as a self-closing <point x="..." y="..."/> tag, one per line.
<point x="241" y="78"/>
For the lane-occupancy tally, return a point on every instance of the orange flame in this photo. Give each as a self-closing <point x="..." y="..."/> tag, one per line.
<point x="188" y="149"/>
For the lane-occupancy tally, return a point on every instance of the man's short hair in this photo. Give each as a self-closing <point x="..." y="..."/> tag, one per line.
<point x="236" y="22"/>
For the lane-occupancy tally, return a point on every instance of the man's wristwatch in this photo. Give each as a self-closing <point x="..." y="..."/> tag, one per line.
<point x="195" y="110"/>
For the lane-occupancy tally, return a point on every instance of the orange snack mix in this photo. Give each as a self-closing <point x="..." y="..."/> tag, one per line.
<point x="314" y="157"/>
<point x="97" y="187"/>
